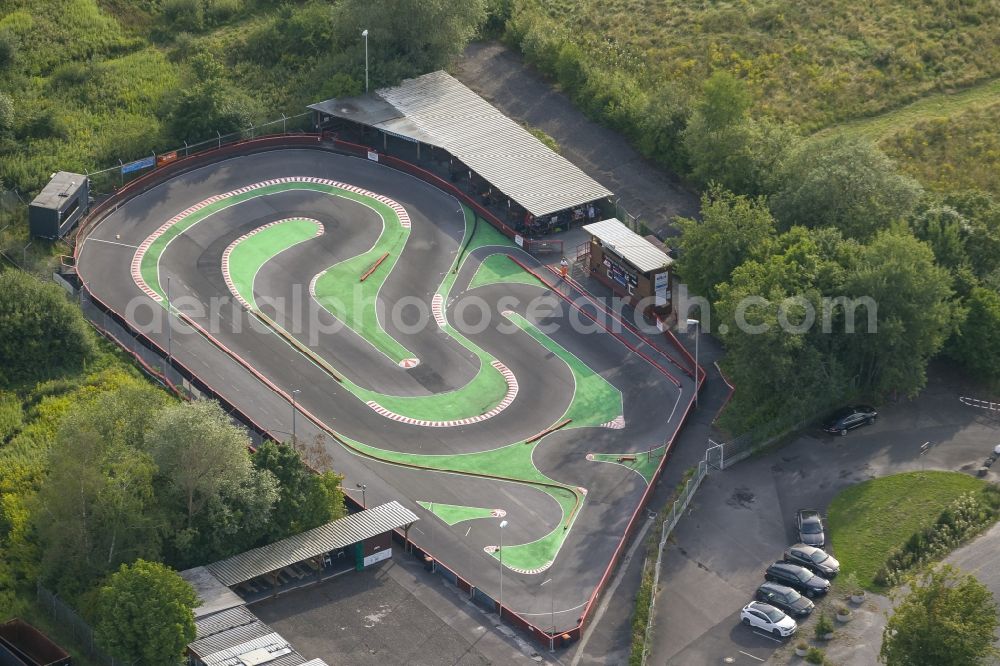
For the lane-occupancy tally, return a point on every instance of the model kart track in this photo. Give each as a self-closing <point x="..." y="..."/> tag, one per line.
<point x="444" y="374"/>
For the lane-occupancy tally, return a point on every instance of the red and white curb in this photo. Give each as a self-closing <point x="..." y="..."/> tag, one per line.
<point x="437" y="309"/>
<point x="512" y="389"/>
<point x="537" y="570"/>
<point x="617" y="423"/>
<point x="408" y="363"/>
<point x="136" y="268"/>
<point x="232" y="246"/>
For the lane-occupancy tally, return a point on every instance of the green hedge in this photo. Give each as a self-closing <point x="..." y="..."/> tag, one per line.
<point x="969" y="515"/>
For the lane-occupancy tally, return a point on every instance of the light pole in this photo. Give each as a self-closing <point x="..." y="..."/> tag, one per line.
<point x="168" y="320"/>
<point x="697" y="336"/>
<point x="295" y="392"/>
<point x="552" y="610"/>
<point x="364" y="33"/>
<point x="362" y="487"/>
<point x="503" y="524"/>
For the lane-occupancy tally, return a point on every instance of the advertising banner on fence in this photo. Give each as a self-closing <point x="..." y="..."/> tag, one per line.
<point x="139" y="165"/>
<point x="373" y="156"/>
<point x="166" y="158"/>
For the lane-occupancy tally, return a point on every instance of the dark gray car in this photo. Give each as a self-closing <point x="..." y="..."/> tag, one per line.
<point x="785" y="598"/>
<point x="814" y="559"/>
<point x="810" y="526"/>
<point x="797" y="578"/>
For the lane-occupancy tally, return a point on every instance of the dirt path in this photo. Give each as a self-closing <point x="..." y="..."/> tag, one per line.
<point x="502" y="77"/>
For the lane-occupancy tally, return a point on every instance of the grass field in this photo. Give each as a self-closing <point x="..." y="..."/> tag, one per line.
<point x="813" y="63"/>
<point x="868" y="520"/>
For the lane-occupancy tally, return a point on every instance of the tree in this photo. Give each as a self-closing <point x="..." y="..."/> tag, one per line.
<point x="209" y="104"/>
<point x="977" y="345"/>
<point x="732" y="229"/>
<point x="145" y="614"/>
<point x="409" y="37"/>
<point x="41" y="332"/>
<point x="305" y="499"/>
<point x="218" y="502"/>
<point x="946" y="619"/>
<point x="842" y="183"/>
<point x="915" y="314"/>
<point x="96" y="509"/>
<point x="725" y="145"/>
<point x="785" y="364"/>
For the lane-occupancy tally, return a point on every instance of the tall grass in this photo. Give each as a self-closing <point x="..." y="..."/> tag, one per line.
<point x="812" y="63"/>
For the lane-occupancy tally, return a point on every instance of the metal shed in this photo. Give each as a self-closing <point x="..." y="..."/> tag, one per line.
<point x="61" y="204"/>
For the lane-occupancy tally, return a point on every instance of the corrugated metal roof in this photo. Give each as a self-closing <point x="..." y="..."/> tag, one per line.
<point x="437" y="109"/>
<point x="337" y="534"/>
<point x="221" y="621"/>
<point x="229" y="638"/>
<point x="631" y="246"/>
<point x="272" y="643"/>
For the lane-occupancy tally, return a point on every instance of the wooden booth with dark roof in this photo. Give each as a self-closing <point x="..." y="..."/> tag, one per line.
<point x="632" y="266"/>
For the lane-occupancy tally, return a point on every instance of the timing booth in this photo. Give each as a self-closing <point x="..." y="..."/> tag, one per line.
<point x="61" y="204"/>
<point x="630" y="265"/>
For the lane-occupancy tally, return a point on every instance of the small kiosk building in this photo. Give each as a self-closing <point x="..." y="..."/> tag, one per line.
<point x="630" y="265"/>
<point x="61" y="204"/>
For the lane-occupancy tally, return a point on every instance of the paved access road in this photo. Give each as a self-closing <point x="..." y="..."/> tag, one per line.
<point x="566" y="514"/>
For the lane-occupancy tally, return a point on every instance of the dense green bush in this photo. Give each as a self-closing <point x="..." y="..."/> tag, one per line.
<point x="8" y="50"/>
<point x="41" y="332"/>
<point x="966" y="517"/>
<point x="186" y="15"/>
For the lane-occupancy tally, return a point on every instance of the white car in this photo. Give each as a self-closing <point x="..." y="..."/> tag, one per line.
<point x="764" y="616"/>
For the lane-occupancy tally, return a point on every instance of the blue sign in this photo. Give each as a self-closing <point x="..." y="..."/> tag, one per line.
<point x="139" y="165"/>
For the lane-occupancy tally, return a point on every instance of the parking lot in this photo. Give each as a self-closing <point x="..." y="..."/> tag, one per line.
<point x="393" y="613"/>
<point x="742" y="519"/>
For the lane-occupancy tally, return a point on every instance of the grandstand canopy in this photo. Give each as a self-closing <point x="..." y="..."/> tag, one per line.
<point x="339" y="533"/>
<point x="437" y="110"/>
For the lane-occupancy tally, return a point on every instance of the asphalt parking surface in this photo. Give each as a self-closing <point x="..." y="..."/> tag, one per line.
<point x="742" y="519"/>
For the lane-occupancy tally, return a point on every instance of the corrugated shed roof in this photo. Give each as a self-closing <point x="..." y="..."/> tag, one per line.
<point x="337" y="534"/>
<point x="230" y="638"/>
<point x="631" y="246"/>
<point x="437" y="109"/>
<point x="222" y="621"/>
<point x="272" y="643"/>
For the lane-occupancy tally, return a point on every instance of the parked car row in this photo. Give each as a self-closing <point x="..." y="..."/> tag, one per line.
<point x="803" y="573"/>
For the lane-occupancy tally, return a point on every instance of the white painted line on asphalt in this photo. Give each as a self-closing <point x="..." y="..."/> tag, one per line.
<point x="770" y="638"/>
<point x="680" y="392"/>
<point x="750" y="655"/>
<point x="101" y="240"/>
<point x="468" y="530"/>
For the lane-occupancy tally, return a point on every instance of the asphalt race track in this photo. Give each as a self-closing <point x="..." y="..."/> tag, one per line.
<point x="437" y="374"/>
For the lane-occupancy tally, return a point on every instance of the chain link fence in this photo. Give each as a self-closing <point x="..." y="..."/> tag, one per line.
<point x="106" y="181"/>
<point x="75" y="625"/>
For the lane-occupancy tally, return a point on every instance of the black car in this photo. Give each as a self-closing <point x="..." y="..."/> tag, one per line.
<point x="810" y="526"/>
<point x="850" y="418"/>
<point x="815" y="559"/>
<point x="798" y="578"/>
<point x="785" y="598"/>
